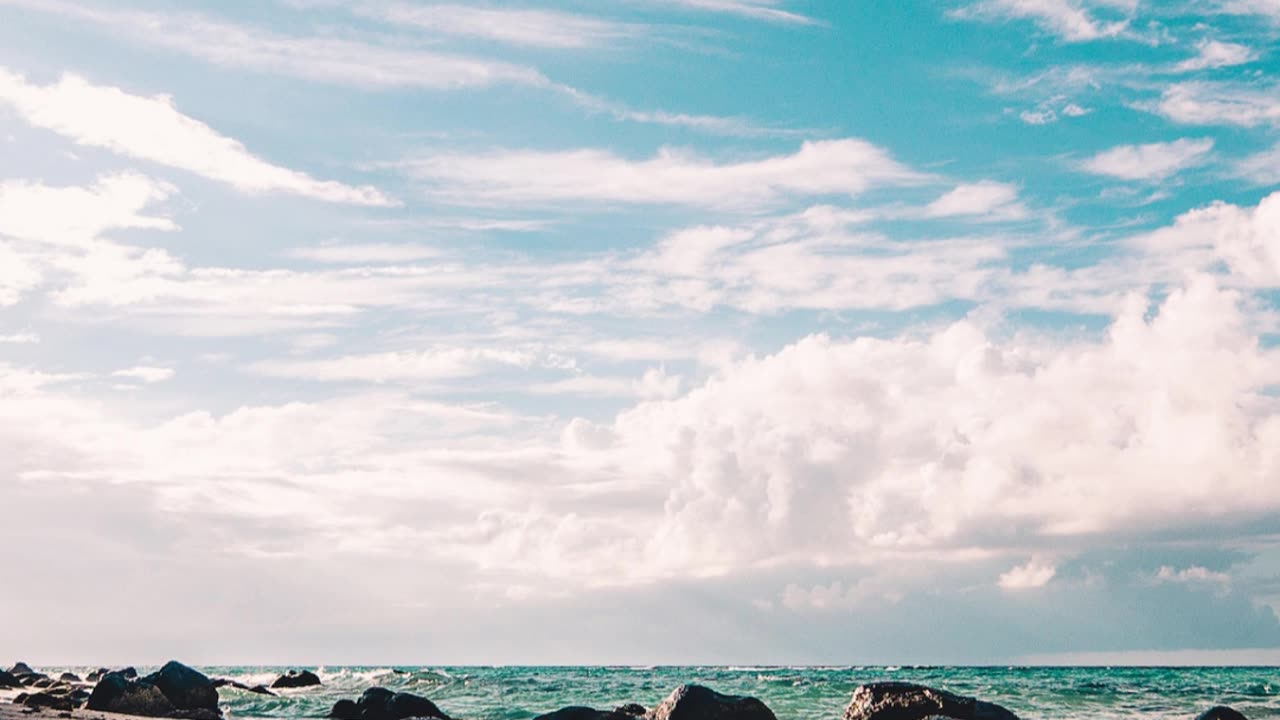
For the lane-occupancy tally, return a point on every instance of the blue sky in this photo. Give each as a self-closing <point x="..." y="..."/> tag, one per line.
<point x="641" y="330"/>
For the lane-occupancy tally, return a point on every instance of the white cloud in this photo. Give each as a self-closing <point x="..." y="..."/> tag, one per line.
<point x="1261" y="167"/>
<point x="366" y="253"/>
<point x="829" y="167"/>
<point x="1216" y="54"/>
<point x="1194" y="574"/>
<point x="319" y="58"/>
<point x="1153" y="161"/>
<point x="1070" y="20"/>
<point x="1245" y="239"/>
<point x="146" y="373"/>
<point x="151" y="128"/>
<point x="756" y="9"/>
<point x="1035" y="573"/>
<point x="515" y="26"/>
<point x="984" y="198"/>
<point x="655" y="383"/>
<point x="22" y="338"/>
<point x="1217" y="103"/>
<point x="76" y="216"/>
<point x="426" y="365"/>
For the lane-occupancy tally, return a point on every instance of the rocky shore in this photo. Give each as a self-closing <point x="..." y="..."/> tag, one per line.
<point x="183" y="693"/>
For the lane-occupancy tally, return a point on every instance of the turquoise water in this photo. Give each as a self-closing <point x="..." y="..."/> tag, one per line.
<point x="518" y="693"/>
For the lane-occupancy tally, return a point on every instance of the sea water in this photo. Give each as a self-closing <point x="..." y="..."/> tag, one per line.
<point x="800" y="693"/>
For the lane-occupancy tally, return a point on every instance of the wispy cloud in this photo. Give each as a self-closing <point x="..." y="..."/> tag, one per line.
<point x="515" y="26"/>
<point x="1152" y="161"/>
<point x="1218" y="103"/>
<point x="146" y="373"/>
<point x="834" y="167"/>
<point x="768" y="10"/>
<point x="152" y="128"/>
<point x="1070" y="20"/>
<point x="1216" y="54"/>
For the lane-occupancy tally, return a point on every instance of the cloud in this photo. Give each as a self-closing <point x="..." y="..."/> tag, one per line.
<point x="367" y="253"/>
<point x="1194" y="574"/>
<point x="828" y="167"/>
<point x="145" y="373"/>
<point x="77" y="216"/>
<point x="151" y="128"/>
<point x="1216" y="54"/>
<point x="515" y="26"/>
<point x="1262" y="167"/>
<point x="23" y="338"/>
<point x="318" y="58"/>
<point x="1153" y="161"/>
<point x="1245" y="239"/>
<point x="1217" y="103"/>
<point x="1034" y="574"/>
<point x="1068" y="19"/>
<point x="426" y="365"/>
<point x="755" y="9"/>
<point x="984" y="198"/>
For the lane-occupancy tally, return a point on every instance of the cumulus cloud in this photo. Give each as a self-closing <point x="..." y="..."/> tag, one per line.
<point x="826" y="167"/>
<point x="1195" y="574"/>
<point x="152" y="128"/>
<point x="1035" y="574"/>
<point x="985" y="198"/>
<point x="1152" y="161"/>
<point x="1071" y="20"/>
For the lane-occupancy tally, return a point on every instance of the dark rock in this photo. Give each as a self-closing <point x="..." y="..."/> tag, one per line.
<point x="695" y="702"/>
<point x="578" y="712"/>
<point x="908" y="701"/>
<point x="20" y="698"/>
<point x="227" y="682"/>
<point x="196" y="714"/>
<point x="96" y="675"/>
<point x="635" y="709"/>
<point x="9" y="680"/>
<point x="345" y="710"/>
<point x="69" y="677"/>
<point x="1221" y="712"/>
<point x="295" y="679"/>
<point x="52" y="700"/>
<point x="41" y="682"/>
<point x="186" y="688"/>
<point x="116" y="693"/>
<point x="129" y="673"/>
<point x="21" y="668"/>
<point x="381" y="704"/>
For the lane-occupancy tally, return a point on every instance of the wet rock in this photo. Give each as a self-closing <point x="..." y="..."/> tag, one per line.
<point x="186" y="688"/>
<point x="227" y="682"/>
<point x="69" y="677"/>
<point x="695" y="702"/>
<point x="345" y="710"/>
<point x="634" y="709"/>
<point x="52" y="700"/>
<point x="908" y="701"/>
<point x="21" y="668"/>
<point x="118" y="694"/>
<point x="43" y="681"/>
<point x="96" y="675"/>
<point x="295" y="679"/>
<point x="1221" y="712"/>
<point x="381" y="704"/>
<point x="578" y="712"/>
<point x="9" y="680"/>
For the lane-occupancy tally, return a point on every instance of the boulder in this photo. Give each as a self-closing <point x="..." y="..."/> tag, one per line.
<point x="116" y="693"/>
<point x="21" y="668"/>
<point x="579" y="712"/>
<point x="1221" y="712"/>
<point x="59" y="699"/>
<point x="908" y="701"/>
<point x="695" y="702"/>
<point x="381" y="704"/>
<point x="633" y="709"/>
<point x="345" y="710"/>
<point x="227" y="682"/>
<point x="42" y="681"/>
<point x="96" y="675"/>
<point x="295" y="679"/>
<point x="9" y="680"/>
<point x="69" y="677"/>
<point x="186" y="688"/>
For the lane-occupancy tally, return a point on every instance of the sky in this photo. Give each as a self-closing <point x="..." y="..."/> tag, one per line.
<point x="640" y="331"/>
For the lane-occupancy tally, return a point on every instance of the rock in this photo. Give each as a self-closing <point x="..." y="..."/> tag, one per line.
<point x="197" y="714"/>
<point x="634" y="709"/>
<point x="295" y="679"/>
<point x="9" y="680"/>
<point x="1221" y="712"/>
<point x="53" y="700"/>
<point x="578" y="712"/>
<point x="695" y="702"/>
<point x="129" y="673"/>
<point x="908" y="701"/>
<point x="21" y="668"/>
<point x="41" y="682"/>
<point x="227" y="682"/>
<point x="381" y="704"/>
<point x="186" y="688"/>
<point x="69" y="677"/>
<point x="96" y="675"/>
<point x="116" y="693"/>
<point x="345" y="710"/>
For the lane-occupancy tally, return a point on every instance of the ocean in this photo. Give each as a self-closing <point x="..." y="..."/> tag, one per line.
<point x="802" y="693"/>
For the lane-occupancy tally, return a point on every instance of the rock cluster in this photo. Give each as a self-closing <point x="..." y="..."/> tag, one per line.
<point x="908" y="701"/>
<point x="174" y="691"/>
<point x="295" y="679"/>
<point x="381" y="704"/>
